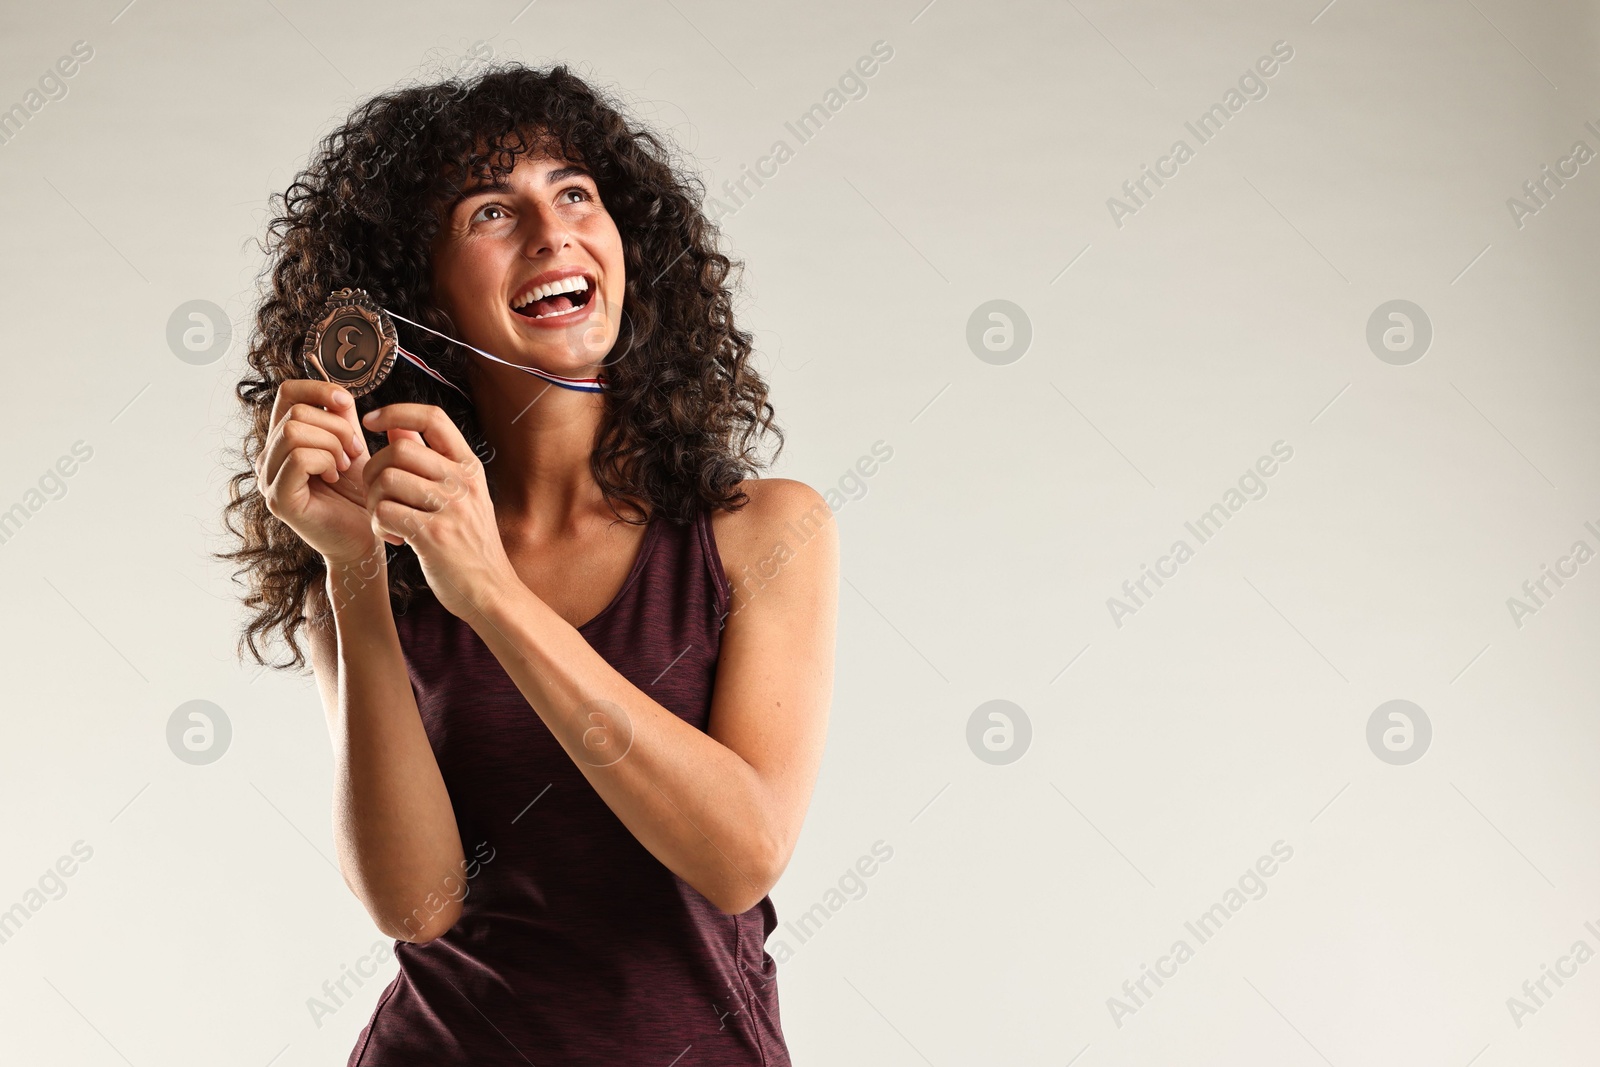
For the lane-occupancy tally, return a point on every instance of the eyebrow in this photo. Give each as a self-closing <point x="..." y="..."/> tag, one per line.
<point x="560" y="174"/>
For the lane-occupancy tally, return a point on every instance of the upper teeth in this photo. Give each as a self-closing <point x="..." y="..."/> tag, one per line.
<point x="577" y="283"/>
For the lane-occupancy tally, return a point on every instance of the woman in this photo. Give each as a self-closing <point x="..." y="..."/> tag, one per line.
<point x="571" y="756"/>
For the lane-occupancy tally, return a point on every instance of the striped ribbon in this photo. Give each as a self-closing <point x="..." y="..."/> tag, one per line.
<point x="584" y="385"/>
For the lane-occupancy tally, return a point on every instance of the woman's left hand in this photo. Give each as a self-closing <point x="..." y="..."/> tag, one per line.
<point x="426" y="488"/>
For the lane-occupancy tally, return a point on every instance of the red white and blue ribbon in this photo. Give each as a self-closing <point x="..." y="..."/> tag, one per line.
<point x="584" y="385"/>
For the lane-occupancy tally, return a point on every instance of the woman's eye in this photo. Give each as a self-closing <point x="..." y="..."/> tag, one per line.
<point x="489" y="213"/>
<point x="582" y="194"/>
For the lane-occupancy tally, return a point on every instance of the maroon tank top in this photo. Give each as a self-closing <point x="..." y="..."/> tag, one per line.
<point x="575" y="945"/>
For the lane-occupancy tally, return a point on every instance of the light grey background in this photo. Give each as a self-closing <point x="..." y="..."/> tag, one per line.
<point x="1168" y="354"/>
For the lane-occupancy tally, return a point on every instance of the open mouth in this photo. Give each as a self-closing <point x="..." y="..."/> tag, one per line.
<point x="555" y="299"/>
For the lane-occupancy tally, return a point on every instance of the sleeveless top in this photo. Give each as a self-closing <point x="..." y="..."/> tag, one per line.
<point x="575" y="945"/>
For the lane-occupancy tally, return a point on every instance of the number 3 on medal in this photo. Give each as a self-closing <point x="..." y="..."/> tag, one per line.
<point x="346" y="346"/>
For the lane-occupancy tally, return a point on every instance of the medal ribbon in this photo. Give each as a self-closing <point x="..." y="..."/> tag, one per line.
<point x="585" y="385"/>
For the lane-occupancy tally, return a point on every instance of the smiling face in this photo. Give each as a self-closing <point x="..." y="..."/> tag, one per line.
<point x="531" y="270"/>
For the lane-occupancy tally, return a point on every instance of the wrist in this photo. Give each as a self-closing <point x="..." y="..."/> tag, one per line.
<point x="494" y="607"/>
<point x="357" y="560"/>
<point x="349" y="579"/>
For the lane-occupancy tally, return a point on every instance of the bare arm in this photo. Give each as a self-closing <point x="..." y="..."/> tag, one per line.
<point x="394" y="827"/>
<point x="399" y="850"/>
<point x="722" y="808"/>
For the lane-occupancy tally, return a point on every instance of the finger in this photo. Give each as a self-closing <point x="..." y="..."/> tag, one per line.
<point x="404" y="487"/>
<point x="429" y="420"/>
<point x="339" y="424"/>
<point x="397" y="523"/>
<point x="414" y="456"/>
<point x="311" y="391"/>
<point x="292" y="435"/>
<point x="301" y="465"/>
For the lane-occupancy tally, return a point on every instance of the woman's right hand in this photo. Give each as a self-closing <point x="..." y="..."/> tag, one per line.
<point x="310" y="470"/>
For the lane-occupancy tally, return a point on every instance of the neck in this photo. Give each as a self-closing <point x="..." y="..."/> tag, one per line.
<point x="542" y="436"/>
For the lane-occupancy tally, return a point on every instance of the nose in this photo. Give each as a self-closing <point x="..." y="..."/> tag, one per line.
<point x="546" y="233"/>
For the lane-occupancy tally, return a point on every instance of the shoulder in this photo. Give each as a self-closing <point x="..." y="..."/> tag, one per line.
<point x="775" y="508"/>
<point x="780" y="517"/>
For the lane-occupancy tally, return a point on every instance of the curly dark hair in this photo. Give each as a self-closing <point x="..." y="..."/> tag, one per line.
<point x="683" y="410"/>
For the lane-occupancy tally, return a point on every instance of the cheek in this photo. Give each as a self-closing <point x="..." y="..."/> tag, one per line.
<point x="616" y="266"/>
<point x="468" y="271"/>
<point x="599" y="232"/>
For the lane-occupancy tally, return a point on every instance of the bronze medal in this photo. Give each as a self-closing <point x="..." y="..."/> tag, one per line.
<point x="352" y="344"/>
